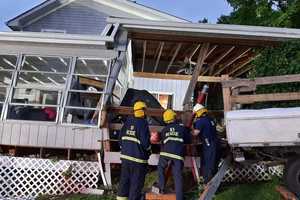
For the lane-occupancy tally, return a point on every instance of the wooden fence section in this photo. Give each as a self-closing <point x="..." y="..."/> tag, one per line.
<point x="232" y="89"/>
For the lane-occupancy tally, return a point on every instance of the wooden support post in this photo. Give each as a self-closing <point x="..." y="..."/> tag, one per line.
<point x="196" y="73"/>
<point x="69" y="154"/>
<point x="226" y="95"/>
<point x="106" y="148"/>
<point x="144" y="54"/>
<point x="41" y="152"/>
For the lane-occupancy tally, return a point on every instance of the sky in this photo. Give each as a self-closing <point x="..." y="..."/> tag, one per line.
<point x="192" y="10"/>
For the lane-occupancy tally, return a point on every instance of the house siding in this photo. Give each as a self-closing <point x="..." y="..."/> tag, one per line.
<point x="36" y="134"/>
<point x="79" y="17"/>
<point x="175" y="87"/>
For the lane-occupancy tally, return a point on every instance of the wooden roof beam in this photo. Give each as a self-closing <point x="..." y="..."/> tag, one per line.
<point x="221" y="57"/>
<point x="243" y="71"/>
<point x="211" y="51"/>
<point x="200" y="61"/>
<point x="159" y="55"/>
<point x="174" y="57"/>
<point x="210" y="79"/>
<point x="243" y="64"/>
<point x="144" y="54"/>
<point x="230" y="62"/>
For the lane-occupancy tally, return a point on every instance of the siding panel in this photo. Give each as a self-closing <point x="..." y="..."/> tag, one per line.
<point x="51" y="136"/>
<point x="1" y="132"/>
<point x="79" y="17"/>
<point x="43" y="133"/>
<point x="176" y="87"/>
<point x="15" y="134"/>
<point x="60" y="136"/>
<point x="33" y="136"/>
<point x="24" y="134"/>
<point x="6" y="134"/>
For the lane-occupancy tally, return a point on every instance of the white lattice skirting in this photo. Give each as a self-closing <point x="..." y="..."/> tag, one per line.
<point x="28" y="177"/>
<point x="252" y="173"/>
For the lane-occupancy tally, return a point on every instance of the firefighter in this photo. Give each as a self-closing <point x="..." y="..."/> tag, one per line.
<point x="173" y="138"/>
<point x="204" y="126"/>
<point x="135" y="150"/>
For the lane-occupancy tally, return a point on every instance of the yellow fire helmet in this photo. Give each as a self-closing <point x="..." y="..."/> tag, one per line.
<point x="199" y="110"/>
<point x="138" y="109"/>
<point x="169" y="116"/>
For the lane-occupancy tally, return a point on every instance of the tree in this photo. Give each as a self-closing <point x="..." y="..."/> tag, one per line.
<point x="279" y="13"/>
<point x="203" y="21"/>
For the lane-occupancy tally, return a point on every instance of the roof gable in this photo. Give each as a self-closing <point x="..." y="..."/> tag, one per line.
<point x="122" y="8"/>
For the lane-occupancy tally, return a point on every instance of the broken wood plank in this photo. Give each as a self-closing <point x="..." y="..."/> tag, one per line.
<point x="196" y="73"/>
<point x="262" y="80"/>
<point x="154" y="112"/>
<point x="118" y="126"/>
<point x="210" y="79"/>
<point x="153" y="196"/>
<point x="249" y="99"/>
<point x="114" y="157"/>
<point x="212" y="187"/>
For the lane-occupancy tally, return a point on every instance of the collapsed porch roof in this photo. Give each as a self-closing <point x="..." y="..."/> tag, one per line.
<point x="169" y="47"/>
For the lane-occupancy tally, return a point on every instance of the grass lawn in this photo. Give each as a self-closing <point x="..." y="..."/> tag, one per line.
<point x="255" y="191"/>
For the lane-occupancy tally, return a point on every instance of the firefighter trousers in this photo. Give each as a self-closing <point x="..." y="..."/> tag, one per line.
<point x="131" y="181"/>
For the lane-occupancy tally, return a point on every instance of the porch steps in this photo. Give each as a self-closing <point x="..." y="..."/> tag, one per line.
<point x="154" y="196"/>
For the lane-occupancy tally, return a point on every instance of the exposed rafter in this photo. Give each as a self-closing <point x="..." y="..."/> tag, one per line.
<point x="159" y="55"/>
<point x="244" y="63"/>
<point x="231" y="61"/>
<point x="211" y="51"/>
<point x="174" y="57"/>
<point x="144" y="54"/>
<point x="219" y="59"/>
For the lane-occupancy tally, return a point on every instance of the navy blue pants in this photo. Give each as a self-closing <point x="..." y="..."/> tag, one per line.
<point x="132" y="180"/>
<point x="177" y="167"/>
<point x="209" y="162"/>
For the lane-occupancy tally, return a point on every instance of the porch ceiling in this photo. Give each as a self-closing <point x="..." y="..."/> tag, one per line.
<point x="180" y="57"/>
<point x="171" y="47"/>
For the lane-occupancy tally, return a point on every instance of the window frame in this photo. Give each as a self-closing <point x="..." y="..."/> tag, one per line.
<point x="158" y="93"/>
<point x="13" y="86"/>
<point x="103" y="93"/>
<point x="10" y="86"/>
<point x="47" y="30"/>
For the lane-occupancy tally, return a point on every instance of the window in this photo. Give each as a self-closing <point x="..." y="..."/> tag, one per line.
<point x="53" y="31"/>
<point x="165" y="99"/>
<point x="37" y="92"/>
<point x="8" y="65"/>
<point x="86" y="91"/>
<point x="118" y="93"/>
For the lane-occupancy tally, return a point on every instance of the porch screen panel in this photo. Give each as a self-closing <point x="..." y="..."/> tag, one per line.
<point x="8" y="64"/>
<point x="87" y="89"/>
<point x="37" y="92"/>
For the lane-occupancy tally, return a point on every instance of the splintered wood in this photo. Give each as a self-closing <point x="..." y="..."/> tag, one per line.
<point x="153" y="196"/>
<point x="285" y="194"/>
